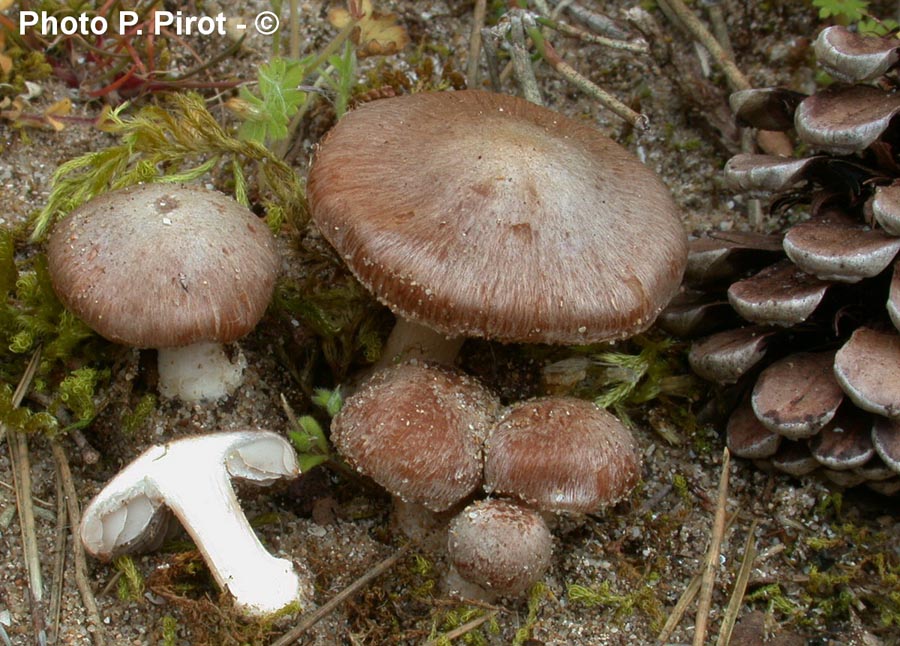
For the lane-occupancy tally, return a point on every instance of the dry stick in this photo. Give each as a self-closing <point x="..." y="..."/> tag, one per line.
<point x="712" y="556"/>
<point x="462" y="630"/>
<point x="740" y="587"/>
<point x="698" y="30"/>
<point x="490" y="57"/>
<point x="719" y="28"/>
<point x="475" y="43"/>
<point x="21" y="468"/>
<point x="637" y="120"/>
<point x="638" y="46"/>
<point x="521" y="61"/>
<point x="64" y="473"/>
<point x="309" y="620"/>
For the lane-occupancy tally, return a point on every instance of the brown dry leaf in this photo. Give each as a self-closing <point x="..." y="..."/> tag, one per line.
<point x="59" y="109"/>
<point x="376" y="34"/>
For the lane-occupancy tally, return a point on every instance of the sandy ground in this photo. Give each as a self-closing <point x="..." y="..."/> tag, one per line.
<point x="638" y="558"/>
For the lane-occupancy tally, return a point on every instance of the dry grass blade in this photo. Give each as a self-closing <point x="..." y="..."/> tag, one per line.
<point x="740" y="587"/>
<point x="21" y="468"/>
<point x="712" y="556"/>
<point x="462" y="630"/>
<point x="81" y="578"/>
<point x="309" y="620"/>
<point x="59" y="562"/>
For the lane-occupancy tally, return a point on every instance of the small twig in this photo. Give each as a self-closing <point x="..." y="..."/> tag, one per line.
<point x="478" y="16"/>
<point x="467" y="627"/>
<point x="698" y="30"/>
<point x="638" y="46"/>
<point x="719" y="28"/>
<point x="64" y="473"/>
<point x="712" y="556"/>
<point x="740" y="587"/>
<point x="636" y="119"/>
<point x="596" y="21"/>
<point x="490" y="57"/>
<point x="521" y="61"/>
<point x="310" y="619"/>
<point x="21" y="468"/>
<point x="89" y="455"/>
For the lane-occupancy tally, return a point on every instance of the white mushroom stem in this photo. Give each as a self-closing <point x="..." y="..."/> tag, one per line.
<point x="191" y="477"/>
<point x="199" y="372"/>
<point x="409" y="340"/>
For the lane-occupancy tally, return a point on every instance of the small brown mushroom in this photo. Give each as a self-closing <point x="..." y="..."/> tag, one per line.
<point x="502" y="546"/>
<point x="561" y="454"/>
<point x="479" y="214"/>
<point x="173" y="267"/>
<point x="417" y="429"/>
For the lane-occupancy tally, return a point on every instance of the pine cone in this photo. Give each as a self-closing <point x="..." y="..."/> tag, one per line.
<point x="812" y="341"/>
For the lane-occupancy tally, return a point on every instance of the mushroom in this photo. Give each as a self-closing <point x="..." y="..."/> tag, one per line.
<point x="499" y="545"/>
<point x="561" y="454"/>
<point x="191" y="477"/>
<point x="479" y="214"/>
<point x="173" y="267"/>
<point x="417" y="429"/>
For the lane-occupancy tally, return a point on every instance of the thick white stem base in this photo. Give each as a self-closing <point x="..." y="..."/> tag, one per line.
<point x="199" y="372"/>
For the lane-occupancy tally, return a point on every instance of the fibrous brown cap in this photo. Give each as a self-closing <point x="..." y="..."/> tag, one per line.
<point x="561" y="454"/>
<point x="500" y="545"/>
<point x="481" y="214"/>
<point x="417" y="430"/>
<point x="163" y="265"/>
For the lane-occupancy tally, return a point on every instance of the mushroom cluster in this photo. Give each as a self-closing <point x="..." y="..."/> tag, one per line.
<point x="478" y="214"/>
<point x="806" y="324"/>
<point x="436" y="439"/>
<point x="178" y="268"/>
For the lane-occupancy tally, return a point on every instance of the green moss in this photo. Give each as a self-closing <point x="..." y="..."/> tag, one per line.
<point x="642" y="599"/>
<point x="131" y="583"/>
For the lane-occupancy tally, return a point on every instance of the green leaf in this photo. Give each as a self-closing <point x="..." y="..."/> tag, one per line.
<point x="269" y="114"/>
<point x="849" y="10"/>
<point x="330" y="400"/>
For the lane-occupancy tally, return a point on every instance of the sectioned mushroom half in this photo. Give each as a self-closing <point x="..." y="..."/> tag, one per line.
<point x="175" y="267"/>
<point x="191" y="478"/>
<point x="479" y="214"/>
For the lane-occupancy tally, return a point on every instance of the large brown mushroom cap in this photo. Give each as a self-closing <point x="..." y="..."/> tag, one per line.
<point x="561" y="454"/>
<point x="163" y="265"/>
<point x="481" y="214"/>
<point x="417" y="430"/>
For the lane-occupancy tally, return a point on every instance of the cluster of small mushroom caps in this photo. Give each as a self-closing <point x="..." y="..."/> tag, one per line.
<point x="468" y="214"/>
<point x="809" y="325"/>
